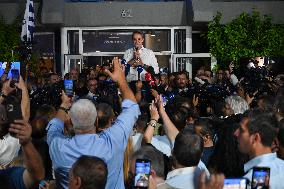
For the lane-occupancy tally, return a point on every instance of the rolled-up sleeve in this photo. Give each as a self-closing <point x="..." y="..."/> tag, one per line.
<point x="54" y="129"/>
<point x="120" y="131"/>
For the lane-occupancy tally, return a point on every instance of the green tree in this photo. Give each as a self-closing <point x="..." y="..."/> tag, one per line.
<point x="247" y="36"/>
<point x="9" y="41"/>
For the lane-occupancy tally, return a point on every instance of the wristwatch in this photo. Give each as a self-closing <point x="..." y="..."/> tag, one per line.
<point x="3" y="95"/>
<point x="152" y="123"/>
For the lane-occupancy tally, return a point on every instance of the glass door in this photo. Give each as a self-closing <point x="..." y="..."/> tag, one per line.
<point x="73" y="62"/>
<point x="191" y="62"/>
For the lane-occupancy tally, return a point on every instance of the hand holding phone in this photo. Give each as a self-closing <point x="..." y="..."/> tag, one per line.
<point x="68" y="87"/>
<point x="260" y="178"/>
<point x="15" y="77"/>
<point x="142" y="173"/>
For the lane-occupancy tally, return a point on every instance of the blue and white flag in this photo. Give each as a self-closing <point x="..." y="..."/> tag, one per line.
<point x="28" y="22"/>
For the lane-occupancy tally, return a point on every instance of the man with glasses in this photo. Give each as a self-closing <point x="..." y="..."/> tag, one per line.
<point x="139" y="56"/>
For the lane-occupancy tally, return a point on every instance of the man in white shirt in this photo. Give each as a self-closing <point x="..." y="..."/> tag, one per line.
<point x="255" y="135"/>
<point x="186" y="154"/>
<point x="139" y="56"/>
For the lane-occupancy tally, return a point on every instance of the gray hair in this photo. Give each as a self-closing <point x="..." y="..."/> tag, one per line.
<point x="237" y="103"/>
<point x="83" y="114"/>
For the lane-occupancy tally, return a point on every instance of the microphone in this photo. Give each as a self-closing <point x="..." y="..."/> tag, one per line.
<point x="137" y="49"/>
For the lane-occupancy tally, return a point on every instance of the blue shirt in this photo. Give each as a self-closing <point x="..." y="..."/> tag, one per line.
<point x="109" y="145"/>
<point x="275" y="164"/>
<point x="14" y="176"/>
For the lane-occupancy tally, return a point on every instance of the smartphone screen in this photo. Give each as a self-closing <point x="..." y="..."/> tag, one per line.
<point x="15" y="75"/>
<point x="235" y="183"/>
<point x="142" y="173"/>
<point x="68" y="87"/>
<point x="165" y="100"/>
<point x="260" y="178"/>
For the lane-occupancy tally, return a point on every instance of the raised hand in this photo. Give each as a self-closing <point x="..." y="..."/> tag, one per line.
<point x="118" y="71"/>
<point x="195" y="100"/>
<point x="7" y="89"/>
<point x="154" y="111"/>
<point x="21" y="85"/>
<point x="22" y="130"/>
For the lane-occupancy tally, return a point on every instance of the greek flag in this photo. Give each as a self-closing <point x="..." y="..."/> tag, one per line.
<point x="28" y="22"/>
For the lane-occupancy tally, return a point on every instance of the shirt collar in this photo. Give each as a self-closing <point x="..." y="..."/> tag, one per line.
<point x="181" y="171"/>
<point x="257" y="160"/>
<point x="90" y="94"/>
<point x="139" y="49"/>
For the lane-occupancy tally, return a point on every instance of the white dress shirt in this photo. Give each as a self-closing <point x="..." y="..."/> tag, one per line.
<point x="275" y="164"/>
<point x="9" y="148"/>
<point x="147" y="57"/>
<point x="184" y="178"/>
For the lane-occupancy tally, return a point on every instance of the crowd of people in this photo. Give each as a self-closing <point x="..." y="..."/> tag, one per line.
<point x="193" y="132"/>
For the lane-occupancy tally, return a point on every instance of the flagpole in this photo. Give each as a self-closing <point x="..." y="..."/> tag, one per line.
<point x="27" y="33"/>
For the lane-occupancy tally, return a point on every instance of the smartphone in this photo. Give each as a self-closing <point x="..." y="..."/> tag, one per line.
<point x="165" y="100"/>
<point x="68" y="87"/>
<point x="260" y="178"/>
<point x="142" y="173"/>
<point x="15" y="77"/>
<point x="235" y="183"/>
<point x="13" y="109"/>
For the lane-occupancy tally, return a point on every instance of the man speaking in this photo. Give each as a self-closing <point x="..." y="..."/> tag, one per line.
<point x="139" y="56"/>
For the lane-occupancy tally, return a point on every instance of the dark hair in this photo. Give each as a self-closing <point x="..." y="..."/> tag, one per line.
<point x="39" y="127"/>
<point x="92" y="171"/>
<point x="268" y="102"/>
<point x="42" y="147"/>
<point x="178" y="115"/>
<point x="141" y="123"/>
<point x="188" y="148"/>
<point x="51" y="74"/>
<point x="104" y="113"/>
<point x="264" y="123"/>
<point x="279" y="104"/>
<point x="227" y="158"/>
<point x="92" y="79"/>
<point x="183" y="73"/>
<point x="280" y="136"/>
<point x="155" y="156"/>
<point x="137" y="32"/>
<point x="206" y="127"/>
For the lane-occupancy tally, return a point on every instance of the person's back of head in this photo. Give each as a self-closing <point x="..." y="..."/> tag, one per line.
<point x="105" y="115"/>
<point x="178" y="115"/>
<point x="227" y="158"/>
<point x="266" y="102"/>
<point x="141" y="123"/>
<point x="237" y="104"/>
<point x="280" y="139"/>
<point x="83" y="115"/>
<point x="88" y="172"/>
<point x="204" y="128"/>
<point x="187" y="149"/>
